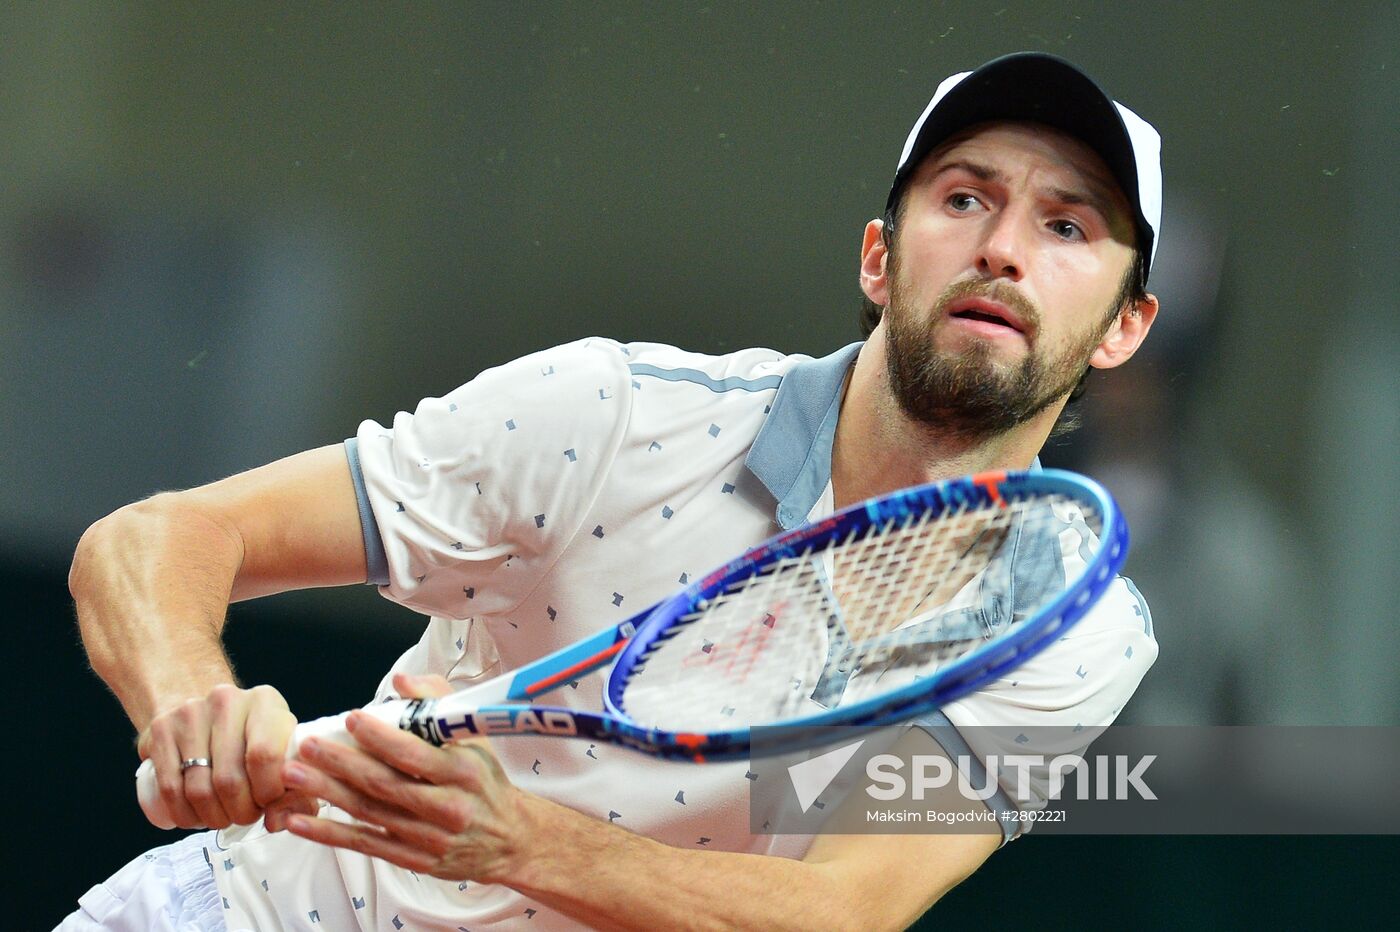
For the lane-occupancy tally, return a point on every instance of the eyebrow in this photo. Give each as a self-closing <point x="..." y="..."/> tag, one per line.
<point x="1092" y="198"/>
<point x="1094" y="194"/>
<point x="981" y="172"/>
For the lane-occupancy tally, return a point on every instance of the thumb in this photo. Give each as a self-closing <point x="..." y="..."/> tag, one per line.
<point x="421" y="687"/>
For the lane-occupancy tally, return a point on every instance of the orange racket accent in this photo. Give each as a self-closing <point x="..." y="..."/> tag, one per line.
<point x="687" y="740"/>
<point x="563" y="676"/>
<point x="991" y="481"/>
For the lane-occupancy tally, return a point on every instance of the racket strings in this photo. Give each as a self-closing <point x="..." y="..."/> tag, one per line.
<point x="867" y="614"/>
<point x="908" y="571"/>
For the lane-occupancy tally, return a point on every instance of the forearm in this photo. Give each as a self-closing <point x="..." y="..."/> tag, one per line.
<point x="451" y="812"/>
<point x="151" y="585"/>
<point x="609" y="878"/>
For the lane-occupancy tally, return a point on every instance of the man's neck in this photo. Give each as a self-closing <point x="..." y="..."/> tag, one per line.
<point x="878" y="448"/>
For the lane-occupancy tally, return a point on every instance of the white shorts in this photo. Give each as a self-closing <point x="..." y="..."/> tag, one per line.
<point x="167" y="889"/>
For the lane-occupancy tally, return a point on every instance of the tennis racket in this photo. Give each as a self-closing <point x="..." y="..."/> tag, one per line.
<point x="877" y="614"/>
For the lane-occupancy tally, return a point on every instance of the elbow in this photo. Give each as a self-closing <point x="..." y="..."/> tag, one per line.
<point x="100" y="562"/>
<point x="102" y="538"/>
<point x="83" y="572"/>
<point x="83" y="585"/>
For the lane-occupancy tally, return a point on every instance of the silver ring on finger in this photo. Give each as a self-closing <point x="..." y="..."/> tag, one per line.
<point x="189" y="762"/>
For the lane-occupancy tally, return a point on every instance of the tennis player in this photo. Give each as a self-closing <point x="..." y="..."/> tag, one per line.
<point x="568" y="489"/>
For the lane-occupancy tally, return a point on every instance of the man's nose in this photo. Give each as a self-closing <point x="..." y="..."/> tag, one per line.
<point x="1003" y="248"/>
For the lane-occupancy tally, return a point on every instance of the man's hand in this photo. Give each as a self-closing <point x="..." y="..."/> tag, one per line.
<point x="243" y="733"/>
<point x="151" y="585"/>
<point x="450" y="811"/>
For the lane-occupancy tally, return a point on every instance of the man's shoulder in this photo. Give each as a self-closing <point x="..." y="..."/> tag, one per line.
<point x="672" y="363"/>
<point x="1120" y="617"/>
<point x="603" y="357"/>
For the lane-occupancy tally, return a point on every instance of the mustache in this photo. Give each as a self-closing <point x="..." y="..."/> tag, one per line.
<point x="998" y="291"/>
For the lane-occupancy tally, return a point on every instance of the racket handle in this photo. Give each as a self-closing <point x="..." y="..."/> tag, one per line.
<point x="330" y="728"/>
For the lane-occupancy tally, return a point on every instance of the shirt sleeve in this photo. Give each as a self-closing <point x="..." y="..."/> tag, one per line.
<point x="1060" y="700"/>
<point x="468" y="501"/>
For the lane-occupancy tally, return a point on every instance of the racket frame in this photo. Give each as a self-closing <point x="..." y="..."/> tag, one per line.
<point x="630" y="642"/>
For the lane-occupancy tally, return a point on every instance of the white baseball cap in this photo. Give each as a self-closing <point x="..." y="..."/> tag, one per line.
<point x="1038" y="88"/>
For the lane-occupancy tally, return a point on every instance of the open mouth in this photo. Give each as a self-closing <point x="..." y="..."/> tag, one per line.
<point x="987" y="314"/>
<point x="983" y="316"/>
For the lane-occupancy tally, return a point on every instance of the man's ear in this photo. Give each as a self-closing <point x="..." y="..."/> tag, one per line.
<point x="1126" y="333"/>
<point x="872" y="264"/>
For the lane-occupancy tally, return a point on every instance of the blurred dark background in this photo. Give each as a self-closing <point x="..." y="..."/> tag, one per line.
<point x="231" y="232"/>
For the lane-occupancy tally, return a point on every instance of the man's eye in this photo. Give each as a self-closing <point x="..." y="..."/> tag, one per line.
<point x="962" y="202"/>
<point x="1067" y="230"/>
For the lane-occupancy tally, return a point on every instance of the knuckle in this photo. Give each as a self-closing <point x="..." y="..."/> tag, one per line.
<point x="264" y="694"/>
<point x="158" y="728"/>
<point x="244" y="814"/>
<point x="466" y="772"/>
<point x="224" y="694"/>
<point x="454" y="814"/>
<point x="436" y="844"/>
<point x="261" y="754"/>
<point x="384" y="786"/>
<point x="228" y="784"/>
<point x="186" y="713"/>
<point x="421" y="764"/>
<point x="199" y="792"/>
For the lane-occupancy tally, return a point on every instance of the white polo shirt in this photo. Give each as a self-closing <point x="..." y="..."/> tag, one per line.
<point x="567" y="491"/>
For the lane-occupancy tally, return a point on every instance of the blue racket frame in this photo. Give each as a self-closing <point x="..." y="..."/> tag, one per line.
<point x="631" y="641"/>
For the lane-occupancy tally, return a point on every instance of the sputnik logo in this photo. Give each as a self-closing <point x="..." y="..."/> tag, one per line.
<point x="811" y="777"/>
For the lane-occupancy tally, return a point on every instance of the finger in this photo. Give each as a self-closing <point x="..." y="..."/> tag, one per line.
<point x="170" y="781"/>
<point x="469" y="763"/>
<point x="268" y="731"/>
<point x="424" y="833"/>
<point x="362" y="772"/>
<point x="421" y="687"/>
<point x="192" y="724"/>
<point x="446" y="808"/>
<point x="228" y="709"/>
<point x="275" y="815"/>
<point x="199" y="790"/>
<point x="409" y="753"/>
<point x="363" y="839"/>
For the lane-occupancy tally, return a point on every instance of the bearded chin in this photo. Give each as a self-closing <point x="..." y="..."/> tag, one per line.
<point x="968" y="396"/>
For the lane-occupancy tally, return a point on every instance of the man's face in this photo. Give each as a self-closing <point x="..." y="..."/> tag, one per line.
<point x="1010" y="252"/>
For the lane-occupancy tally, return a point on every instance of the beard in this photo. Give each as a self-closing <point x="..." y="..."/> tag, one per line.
<point x="969" y="395"/>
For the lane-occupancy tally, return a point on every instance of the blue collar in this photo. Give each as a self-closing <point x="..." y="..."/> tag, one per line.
<point x="791" y="455"/>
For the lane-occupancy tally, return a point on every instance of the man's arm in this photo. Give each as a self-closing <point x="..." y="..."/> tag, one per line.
<point x="452" y="813"/>
<point x="612" y="879"/>
<point x="152" y="583"/>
